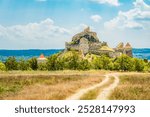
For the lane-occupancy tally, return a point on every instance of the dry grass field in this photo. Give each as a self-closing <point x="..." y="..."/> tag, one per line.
<point x="58" y="85"/>
<point x="134" y="86"/>
<point x="45" y="85"/>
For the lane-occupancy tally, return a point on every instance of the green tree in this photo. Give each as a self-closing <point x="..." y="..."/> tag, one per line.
<point x="42" y="66"/>
<point x="97" y="63"/>
<point x="23" y="65"/>
<point x="124" y="63"/>
<point x="73" y="61"/>
<point x="11" y="63"/>
<point x="84" y="64"/>
<point x="111" y="66"/>
<point x="2" y="66"/>
<point x="105" y="62"/>
<point x="60" y="64"/>
<point x="51" y="62"/>
<point x="33" y="63"/>
<point x="139" y="64"/>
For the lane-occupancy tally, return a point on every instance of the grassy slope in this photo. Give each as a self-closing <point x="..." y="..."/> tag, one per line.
<point x="133" y="87"/>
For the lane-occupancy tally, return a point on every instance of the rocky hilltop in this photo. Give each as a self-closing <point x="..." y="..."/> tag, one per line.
<point x="87" y="42"/>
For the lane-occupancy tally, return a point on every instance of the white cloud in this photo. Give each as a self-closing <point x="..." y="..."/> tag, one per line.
<point x="34" y="30"/>
<point x="44" y="31"/>
<point x="111" y="2"/>
<point x="141" y="4"/>
<point x="96" y="18"/>
<point x="138" y="17"/>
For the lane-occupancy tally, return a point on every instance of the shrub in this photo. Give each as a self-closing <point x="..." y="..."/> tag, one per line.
<point x="42" y="66"/>
<point x="97" y="63"/>
<point x="51" y="62"/>
<point x="111" y="66"/>
<point x="139" y="64"/>
<point x="2" y="66"/>
<point x="33" y="63"/>
<point x="124" y="63"/>
<point x="84" y="65"/>
<point x="11" y="63"/>
<point x="105" y="62"/>
<point x="60" y="64"/>
<point x="73" y="61"/>
<point x="23" y="65"/>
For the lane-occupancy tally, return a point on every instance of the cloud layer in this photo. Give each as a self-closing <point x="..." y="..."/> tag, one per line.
<point x="137" y="18"/>
<point x="40" y="32"/>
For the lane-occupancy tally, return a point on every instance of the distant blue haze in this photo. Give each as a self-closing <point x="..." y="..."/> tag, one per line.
<point x="143" y="53"/>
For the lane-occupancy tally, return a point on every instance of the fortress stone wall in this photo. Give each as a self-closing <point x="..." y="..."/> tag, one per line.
<point x="88" y="42"/>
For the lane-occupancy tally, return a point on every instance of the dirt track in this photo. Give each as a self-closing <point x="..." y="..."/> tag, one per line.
<point x="104" y="94"/>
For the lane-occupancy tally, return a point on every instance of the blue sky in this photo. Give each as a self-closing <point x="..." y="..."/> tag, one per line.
<point x="46" y="24"/>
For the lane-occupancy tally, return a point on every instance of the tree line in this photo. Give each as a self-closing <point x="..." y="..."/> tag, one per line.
<point x="76" y="62"/>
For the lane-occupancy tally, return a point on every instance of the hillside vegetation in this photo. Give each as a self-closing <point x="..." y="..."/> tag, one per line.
<point x="74" y="60"/>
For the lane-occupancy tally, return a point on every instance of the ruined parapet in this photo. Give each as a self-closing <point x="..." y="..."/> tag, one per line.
<point x="104" y="44"/>
<point x="94" y="47"/>
<point x="69" y="46"/>
<point x="120" y="46"/>
<point x="128" y="49"/>
<point x="88" y="42"/>
<point x="87" y="29"/>
<point x="128" y="46"/>
<point x="89" y="35"/>
<point x="84" y="45"/>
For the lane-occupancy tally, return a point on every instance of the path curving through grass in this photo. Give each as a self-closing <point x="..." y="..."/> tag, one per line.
<point x="105" y="92"/>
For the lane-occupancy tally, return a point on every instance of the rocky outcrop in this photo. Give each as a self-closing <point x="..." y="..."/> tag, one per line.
<point x="87" y="34"/>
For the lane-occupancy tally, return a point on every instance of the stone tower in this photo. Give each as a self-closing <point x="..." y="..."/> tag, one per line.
<point x="128" y="50"/>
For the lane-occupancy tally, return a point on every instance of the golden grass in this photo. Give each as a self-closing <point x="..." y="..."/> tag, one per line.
<point x="133" y="87"/>
<point x="91" y="95"/>
<point x="45" y="85"/>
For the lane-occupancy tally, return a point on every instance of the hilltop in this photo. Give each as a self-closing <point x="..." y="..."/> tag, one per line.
<point x="87" y="42"/>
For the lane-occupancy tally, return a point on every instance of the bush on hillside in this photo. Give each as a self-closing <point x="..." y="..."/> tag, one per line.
<point x="124" y="63"/>
<point x="139" y="64"/>
<point x="96" y="63"/>
<point x="42" y="66"/>
<point x="23" y="65"/>
<point x="105" y="61"/>
<point x="2" y="66"/>
<point x="84" y="65"/>
<point x="11" y="63"/>
<point x="73" y="61"/>
<point x="51" y="62"/>
<point x="33" y="63"/>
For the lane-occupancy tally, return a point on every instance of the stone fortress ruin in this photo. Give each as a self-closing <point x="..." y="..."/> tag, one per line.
<point x="88" y="42"/>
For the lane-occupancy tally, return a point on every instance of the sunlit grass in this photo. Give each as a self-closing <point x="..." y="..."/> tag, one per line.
<point x="133" y="87"/>
<point x="45" y="85"/>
